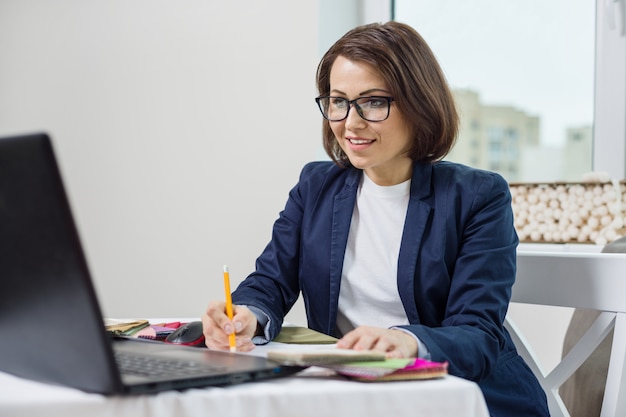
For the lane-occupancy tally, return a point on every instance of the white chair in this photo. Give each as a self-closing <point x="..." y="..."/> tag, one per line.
<point x="580" y="280"/>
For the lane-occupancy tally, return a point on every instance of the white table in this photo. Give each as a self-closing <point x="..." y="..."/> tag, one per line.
<point x="314" y="392"/>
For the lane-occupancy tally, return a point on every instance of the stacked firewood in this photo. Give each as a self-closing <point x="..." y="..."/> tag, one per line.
<point x="587" y="212"/>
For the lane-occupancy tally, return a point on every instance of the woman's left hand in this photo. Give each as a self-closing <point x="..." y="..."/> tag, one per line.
<point x="395" y="343"/>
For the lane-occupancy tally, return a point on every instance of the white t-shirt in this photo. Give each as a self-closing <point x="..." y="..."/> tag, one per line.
<point x="369" y="285"/>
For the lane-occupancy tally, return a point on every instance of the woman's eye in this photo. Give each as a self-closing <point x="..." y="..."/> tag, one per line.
<point x="375" y="102"/>
<point x="339" y="103"/>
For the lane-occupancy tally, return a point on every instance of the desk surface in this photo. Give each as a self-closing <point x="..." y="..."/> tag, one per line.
<point x="312" y="393"/>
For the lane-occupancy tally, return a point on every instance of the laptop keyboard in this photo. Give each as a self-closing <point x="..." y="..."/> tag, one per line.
<point x="129" y="363"/>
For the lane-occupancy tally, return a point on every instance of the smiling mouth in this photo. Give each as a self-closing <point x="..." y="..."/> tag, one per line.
<point x="356" y="141"/>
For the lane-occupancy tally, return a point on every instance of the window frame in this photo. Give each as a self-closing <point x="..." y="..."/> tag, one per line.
<point x="609" y="128"/>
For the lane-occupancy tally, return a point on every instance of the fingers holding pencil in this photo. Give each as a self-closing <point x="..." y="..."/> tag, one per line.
<point x="217" y="327"/>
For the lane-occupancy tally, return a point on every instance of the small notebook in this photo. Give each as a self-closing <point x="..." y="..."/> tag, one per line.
<point x="304" y="336"/>
<point x="155" y="332"/>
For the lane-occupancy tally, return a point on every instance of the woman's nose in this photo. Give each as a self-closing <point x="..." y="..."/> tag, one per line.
<point x="354" y="119"/>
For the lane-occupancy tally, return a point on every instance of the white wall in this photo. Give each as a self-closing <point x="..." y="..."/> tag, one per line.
<point x="180" y="127"/>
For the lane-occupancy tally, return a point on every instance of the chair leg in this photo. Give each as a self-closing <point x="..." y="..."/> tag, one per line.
<point x="593" y="336"/>
<point x="614" y="404"/>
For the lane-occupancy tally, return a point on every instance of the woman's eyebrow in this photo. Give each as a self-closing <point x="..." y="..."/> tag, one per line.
<point x="362" y="93"/>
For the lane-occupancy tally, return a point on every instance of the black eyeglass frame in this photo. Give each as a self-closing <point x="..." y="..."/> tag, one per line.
<point x="356" y="106"/>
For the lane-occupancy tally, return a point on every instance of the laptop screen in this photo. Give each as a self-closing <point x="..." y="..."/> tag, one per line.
<point x="49" y="315"/>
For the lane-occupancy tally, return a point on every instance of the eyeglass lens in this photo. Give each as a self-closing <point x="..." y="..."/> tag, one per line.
<point x="370" y="108"/>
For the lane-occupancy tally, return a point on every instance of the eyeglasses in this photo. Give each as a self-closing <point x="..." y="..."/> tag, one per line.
<point x="372" y="108"/>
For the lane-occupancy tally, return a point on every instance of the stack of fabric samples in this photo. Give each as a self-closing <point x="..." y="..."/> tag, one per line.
<point x="140" y="328"/>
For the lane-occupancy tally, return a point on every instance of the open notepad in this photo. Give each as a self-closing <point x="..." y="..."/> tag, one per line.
<point x="362" y="365"/>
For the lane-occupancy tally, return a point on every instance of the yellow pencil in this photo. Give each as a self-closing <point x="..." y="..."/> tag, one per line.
<point x="229" y="309"/>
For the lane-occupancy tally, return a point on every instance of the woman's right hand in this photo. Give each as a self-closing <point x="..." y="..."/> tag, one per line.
<point x="217" y="326"/>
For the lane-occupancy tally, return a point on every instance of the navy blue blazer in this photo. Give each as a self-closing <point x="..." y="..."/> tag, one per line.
<point x="456" y="267"/>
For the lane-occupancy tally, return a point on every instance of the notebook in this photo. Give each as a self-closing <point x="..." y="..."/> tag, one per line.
<point x="51" y="324"/>
<point x="362" y="365"/>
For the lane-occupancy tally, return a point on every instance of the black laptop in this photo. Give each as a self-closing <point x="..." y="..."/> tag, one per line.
<point x="51" y="326"/>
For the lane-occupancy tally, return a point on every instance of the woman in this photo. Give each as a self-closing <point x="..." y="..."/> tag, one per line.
<point x="391" y="248"/>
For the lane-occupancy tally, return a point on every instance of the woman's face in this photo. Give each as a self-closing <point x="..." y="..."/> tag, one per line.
<point x="379" y="148"/>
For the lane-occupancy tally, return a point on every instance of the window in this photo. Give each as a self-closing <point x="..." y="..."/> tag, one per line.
<point x="523" y="75"/>
<point x="605" y="22"/>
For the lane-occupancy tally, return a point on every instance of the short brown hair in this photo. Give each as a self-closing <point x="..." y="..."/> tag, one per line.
<point x="411" y="71"/>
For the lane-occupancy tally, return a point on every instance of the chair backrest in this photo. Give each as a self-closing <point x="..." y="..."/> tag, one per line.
<point x="580" y="280"/>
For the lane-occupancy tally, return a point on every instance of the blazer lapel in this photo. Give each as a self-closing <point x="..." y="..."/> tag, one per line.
<point x="342" y="216"/>
<point x="417" y="217"/>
